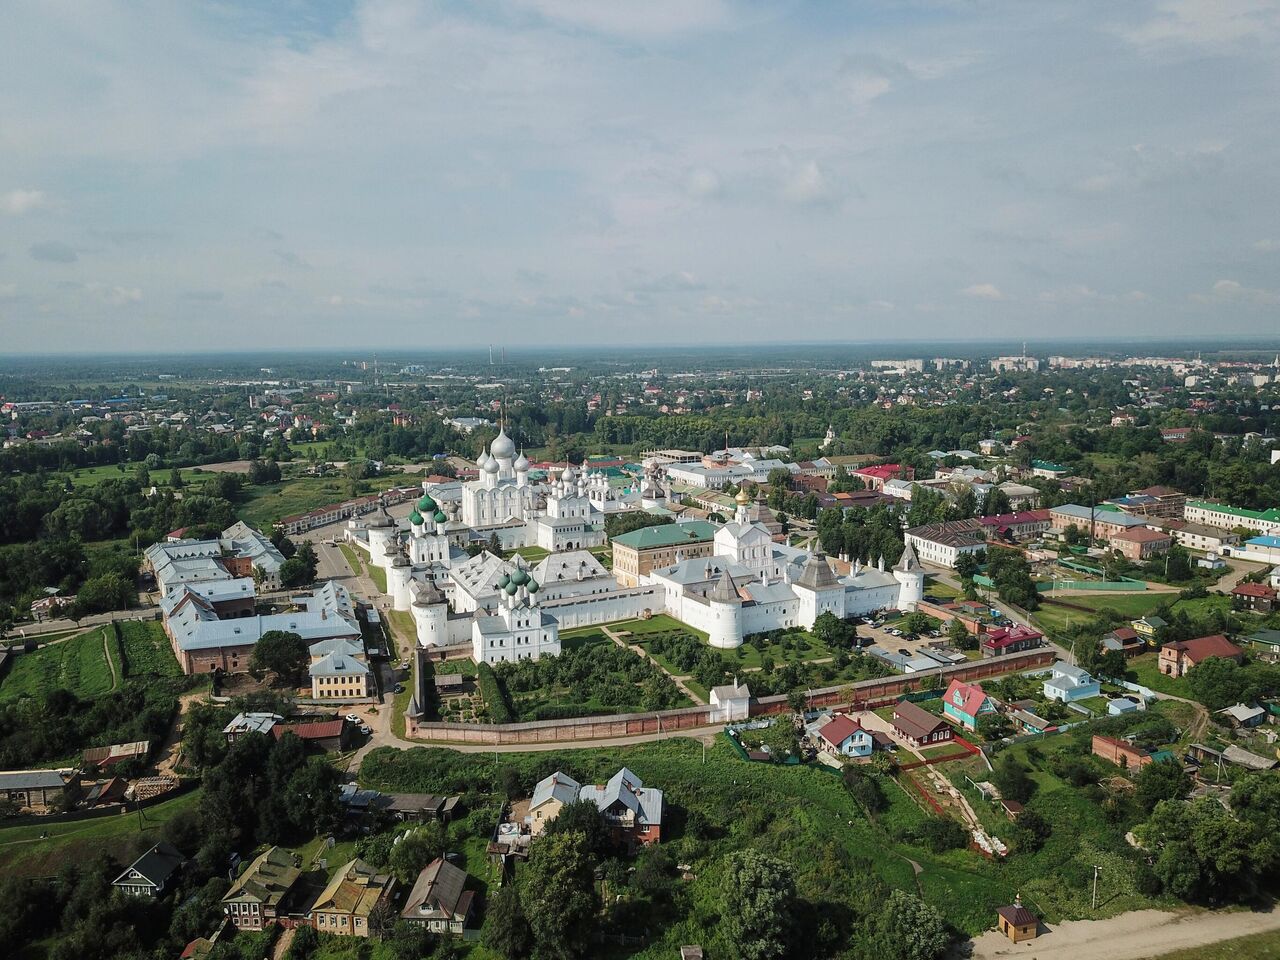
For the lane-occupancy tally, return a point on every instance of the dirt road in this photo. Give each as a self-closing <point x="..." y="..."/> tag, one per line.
<point x="1138" y="935"/>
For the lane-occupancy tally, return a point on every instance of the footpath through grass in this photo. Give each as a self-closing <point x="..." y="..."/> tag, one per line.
<point x="78" y="664"/>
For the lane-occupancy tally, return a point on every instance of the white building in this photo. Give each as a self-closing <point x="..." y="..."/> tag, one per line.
<point x="518" y="629"/>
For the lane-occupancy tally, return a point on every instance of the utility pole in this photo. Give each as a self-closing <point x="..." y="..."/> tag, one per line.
<point x="1096" y="868"/>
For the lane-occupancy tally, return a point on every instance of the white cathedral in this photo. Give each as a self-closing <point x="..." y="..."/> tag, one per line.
<point x="502" y="610"/>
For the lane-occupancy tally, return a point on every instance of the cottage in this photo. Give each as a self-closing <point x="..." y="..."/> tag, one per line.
<point x="38" y="790"/>
<point x="920" y="728"/>
<point x="1146" y="627"/>
<point x="845" y="737"/>
<point x="631" y="809"/>
<point x="550" y="794"/>
<point x="150" y="874"/>
<point x="1006" y="640"/>
<point x="1124" y="639"/>
<point x="1017" y="922"/>
<point x="257" y="897"/>
<point x="1068" y="683"/>
<point x="965" y="703"/>
<point x="1257" y="597"/>
<point x="439" y="899"/>
<point x="350" y="899"/>
<point x="1177" y="658"/>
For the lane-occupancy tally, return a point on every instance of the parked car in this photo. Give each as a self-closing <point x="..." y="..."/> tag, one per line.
<point x="353" y="718"/>
<point x="364" y="729"/>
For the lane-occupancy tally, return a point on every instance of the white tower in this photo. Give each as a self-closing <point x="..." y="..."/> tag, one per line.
<point x="725" y="628"/>
<point x="910" y="576"/>
<point x="430" y="614"/>
<point x="398" y="582"/>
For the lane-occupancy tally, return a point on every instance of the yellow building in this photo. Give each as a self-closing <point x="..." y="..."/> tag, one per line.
<point x="638" y="552"/>
<point x="350" y="899"/>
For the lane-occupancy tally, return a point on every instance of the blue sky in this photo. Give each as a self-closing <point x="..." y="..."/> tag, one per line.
<point x="209" y="175"/>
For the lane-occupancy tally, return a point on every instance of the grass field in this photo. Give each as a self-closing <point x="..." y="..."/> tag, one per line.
<point x="23" y="853"/>
<point x="92" y="476"/>
<point x="79" y="665"/>
<point x="1133" y="605"/>
<point x="533" y="554"/>
<point x="268" y="502"/>
<point x="1144" y="670"/>
<point x="379" y="577"/>
<point x="1260" y="946"/>
<point x="353" y="561"/>
<point x="147" y="651"/>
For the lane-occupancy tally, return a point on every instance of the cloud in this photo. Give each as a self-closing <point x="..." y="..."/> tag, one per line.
<point x="202" y="296"/>
<point x="1267" y="245"/>
<point x="291" y="259"/>
<point x="1205" y="23"/>
<point x="702" y="182"/>
<point x="53" y="251"/>
<point x="17" y="202"/>
<point x="652" y="18"/>
<point x="1079" y="293"/>
<point x="677" y="282"/>
<point x="1232" y="291"/>
<point x="114" y="295"/>
<point x="982" y="291"/>
<point x="807" y="184"/>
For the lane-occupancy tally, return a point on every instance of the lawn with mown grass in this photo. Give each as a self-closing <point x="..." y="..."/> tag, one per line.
<point x="1053" y="618"/>
<point x="78" y="664"/>
<point x="379" y="577"/>
<point x="1259" y="946"/>
<point x="1144" y="669"/>
<point x="40" y="849"/>
<point x="266" y="503"/>
<point x="353" y="561"/>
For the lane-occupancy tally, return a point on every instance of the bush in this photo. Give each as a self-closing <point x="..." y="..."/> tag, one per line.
<point x="494" y="698"/>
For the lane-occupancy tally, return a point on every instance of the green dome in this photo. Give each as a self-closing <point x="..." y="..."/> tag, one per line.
<point x="440" y="517"/>
<point x="503" y="581"/>
<point x="520" y="578"/>
<point x="533" y="586"/>
<point x="426" y="504"/>
<point x="415" y="518"/>
<point x="511" y="589"/>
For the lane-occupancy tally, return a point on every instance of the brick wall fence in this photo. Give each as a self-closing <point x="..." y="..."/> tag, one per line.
<point x="855" y="694"/>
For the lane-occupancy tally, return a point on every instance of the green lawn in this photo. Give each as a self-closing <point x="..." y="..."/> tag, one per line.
<point x="353" y="561"/>
<point x="79" y="665"/>
<point x="379" y="577"/>
<point x="1144" y="670"/>
<point x="1054" y="618"/>
<point x="92" y="476"/>
<point x="23" y="852"/>
<point x="268" y="502"/>
<point x="146" y="650"/>
<point x="533" y="554"/>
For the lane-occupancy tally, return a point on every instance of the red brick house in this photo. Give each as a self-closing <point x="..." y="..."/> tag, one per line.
<point x="1141" y="543"/>
<point x="1120" y="753"/>
<point x="1006" y="640"/>
<point x="1177" y="658"/>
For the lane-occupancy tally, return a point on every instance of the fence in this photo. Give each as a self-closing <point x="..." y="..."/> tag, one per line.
<point x="856" y="693"/>
<point x="968" y="750"/>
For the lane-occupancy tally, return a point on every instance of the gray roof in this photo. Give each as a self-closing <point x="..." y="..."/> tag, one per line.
<point x="567" y="566"/>
<point x="627" y="791"/>
<point x="439" y="893"/>
<point x="908" y="563"/>
<point x="33" y="779"/>
<point x="157" y="865"/>
<point x="338" y="665"/>
<point x="1063" y="669"/>
<point x="336" y="645"/>
<point x="1077" y="512"/>
<point x="817" y="574"/>
<point x="724" y="590"/>
<point x="559" y="785"/>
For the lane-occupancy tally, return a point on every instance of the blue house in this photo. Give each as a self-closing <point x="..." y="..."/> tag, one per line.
<point x="1067" y="684"/>
<point x="846" y="737"/>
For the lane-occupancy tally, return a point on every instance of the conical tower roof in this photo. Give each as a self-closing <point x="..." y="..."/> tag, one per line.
<point x="908" y="563"/>
<point x="724" y="591"/>
<point x="817" y="574"/>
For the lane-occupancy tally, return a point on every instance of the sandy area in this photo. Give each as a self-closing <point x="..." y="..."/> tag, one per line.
<point x="1129" y="936"/>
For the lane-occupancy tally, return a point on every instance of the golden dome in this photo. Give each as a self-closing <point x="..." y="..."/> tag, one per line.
<point x="742" y="498"/>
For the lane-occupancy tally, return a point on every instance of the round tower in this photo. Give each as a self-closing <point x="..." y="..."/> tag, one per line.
<point x="430" y="614"/>
<point x="398" y="582"/>
<point x="910" y="576"/>
<point x="724" y="631"/>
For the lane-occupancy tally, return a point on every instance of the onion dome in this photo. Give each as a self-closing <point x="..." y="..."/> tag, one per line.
<point x="415" y="518"/>
<point x="503" y="581"/>
<point x="491" y="466"/>
<point x="426" y="504"/>
<point x="522" y="463"/>
<point x="482" y="459"/>
<point x="440" y="517"/>
<point x="503" y="446"/>
<point x="400" y="561"/>
<point x="510" y="589"/>
<point x="520" y="577"/>
<point x="742" y="498"/>
<point x="533" y="586"/>
<point x="569" y="475"/>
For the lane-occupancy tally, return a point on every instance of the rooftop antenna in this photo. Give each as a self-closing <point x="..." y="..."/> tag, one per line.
<point x="491" y="354"/>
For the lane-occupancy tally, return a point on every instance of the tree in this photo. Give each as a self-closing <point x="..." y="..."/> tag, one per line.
<point x="100" y="594"/>
<point x="757" y="893"/>
<point x="281" y="652"/>
<point x="1165" y="780"/>
<point x="994" y="726"/>
<point x="1012" y="780"/>
<point x="910" y="929"/>
<point x="959" y="634"/>
<point x="506" y="930"/>
<point x="558" y="893"/>
<point x="583" y="817"/>
<point x="1029" y="832"/>
<point x="416" y="849"/>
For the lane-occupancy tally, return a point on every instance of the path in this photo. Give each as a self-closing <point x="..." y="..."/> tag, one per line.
<point x="644" y="654"/>
<point x="1130" y="936"/>
<point x="166" y="759"/>
<point x="283" y="942"/>
<point x="1239" y="570"/>
<point x="106" y="652"/>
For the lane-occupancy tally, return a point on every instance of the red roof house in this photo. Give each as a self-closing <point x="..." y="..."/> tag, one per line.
<point x="965" y="702"/>
<point x="1177" y="658"/>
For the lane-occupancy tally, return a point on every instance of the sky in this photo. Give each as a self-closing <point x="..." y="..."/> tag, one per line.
<point x="379" y="173"/>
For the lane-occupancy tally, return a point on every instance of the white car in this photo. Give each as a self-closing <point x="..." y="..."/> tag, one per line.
<point x="353" y="718"/>
<point x="364" y="729"/>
